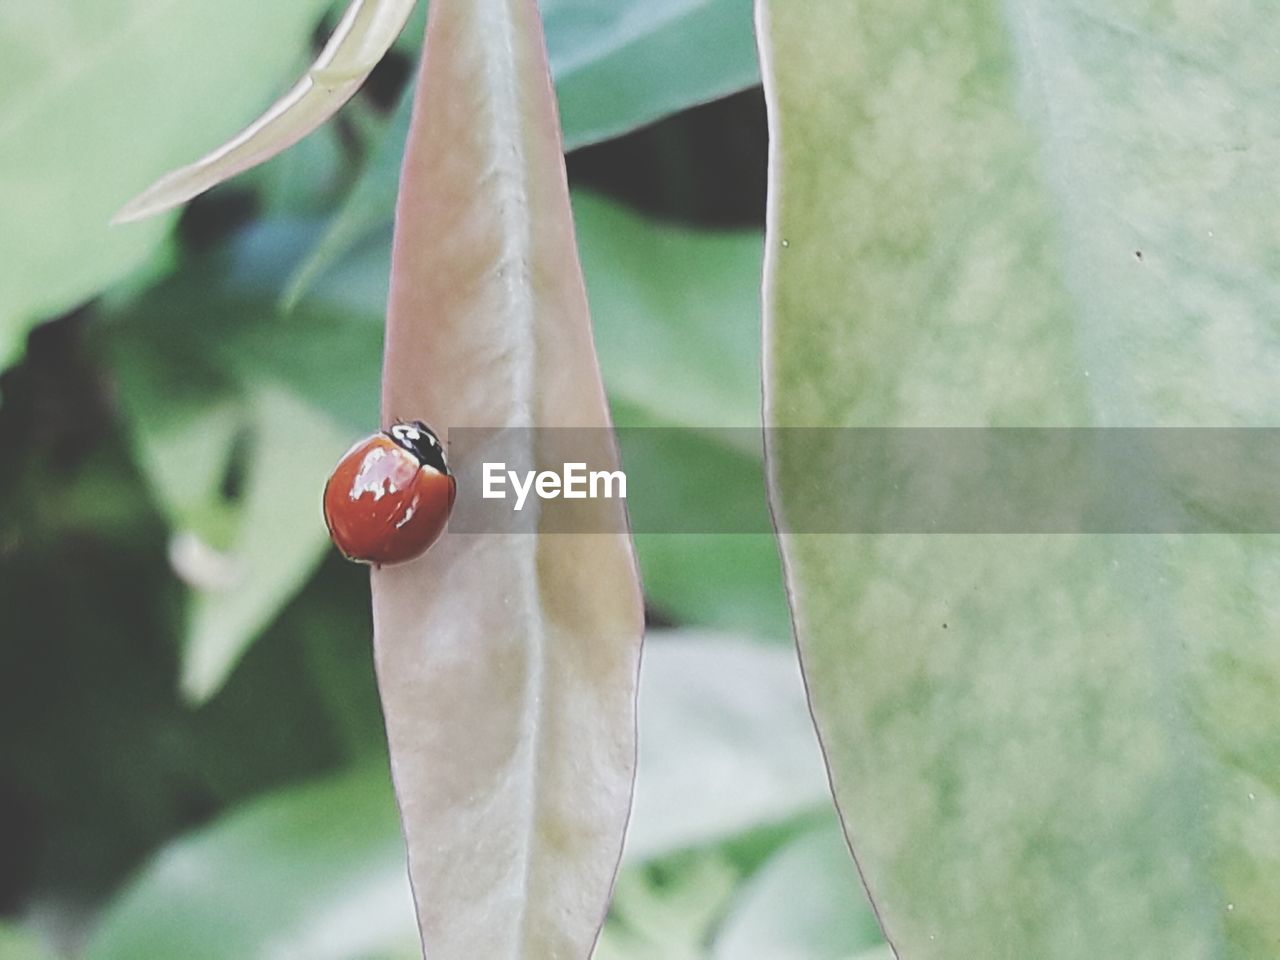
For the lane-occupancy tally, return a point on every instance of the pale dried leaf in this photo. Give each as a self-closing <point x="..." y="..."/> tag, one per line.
<point x="507" y="663"/>
<point x="365" y="33"/>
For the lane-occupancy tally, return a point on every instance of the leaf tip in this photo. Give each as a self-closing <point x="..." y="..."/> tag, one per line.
<point x="197" y="688"/>
<point x="158" y="198"/>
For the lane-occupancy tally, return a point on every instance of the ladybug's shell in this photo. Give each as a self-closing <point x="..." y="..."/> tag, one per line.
<point x="382" y="505"/>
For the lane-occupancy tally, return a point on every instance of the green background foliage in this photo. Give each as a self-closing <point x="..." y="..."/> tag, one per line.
<point x="96" y="100"/>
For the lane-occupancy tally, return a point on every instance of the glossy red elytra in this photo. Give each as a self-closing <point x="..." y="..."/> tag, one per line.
<point x="389" y="497"/>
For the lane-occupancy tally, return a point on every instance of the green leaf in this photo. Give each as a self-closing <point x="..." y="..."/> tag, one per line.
<point x="524" y="647"/>
<point x="184" y="430"/>
<point x="18" y="944"/>
<point x="667" y="912"/>
<point x="805" y="903"/>
<point x="328" y="350"/>
<point x="204" y="410"/>
<point x="1044" y="746"/>
<point x="95" y="97"/>
<point x="364" y="34"/>
<point x="314" y="872"/>
<point x="279" y="539"/>
<point x="728" y="581"/>
<point x="668" y="301"/>
<point x="617" y="67"/>
<point x="639" y="61"/>
<point x="103" y="762"/>
<point x="726" y="743"/>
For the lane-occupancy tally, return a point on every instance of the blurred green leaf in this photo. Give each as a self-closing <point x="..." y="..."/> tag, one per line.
<point x="184" y="420"/>
<point x="727" y="581"/>
<point x="676" y="314"/>
<point x="667" y="912"/>
<point x="1034" y="214"/>
<point x="330" y="623"/>
<point x="806" y="903"/>
<point x="616" y="67"/>
<point x="279" y="538"/>
<point x="328" y="349"/>
<point x="102" y="761"/>
<point x="726" y="743"/>
<point x="644" y="59"/>
<point x="18" y="944"/>
<point x="96" y="97"/>
<point x="307" y="178"/>
<point x="81" y="568"/>
<point x="316" y="872"/>
<point x="278" y="720"/>
<point x="368" y="213"/>
<point x="205" y="414"/>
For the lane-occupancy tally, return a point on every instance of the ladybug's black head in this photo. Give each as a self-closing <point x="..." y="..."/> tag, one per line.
<point x="422" y="442"/>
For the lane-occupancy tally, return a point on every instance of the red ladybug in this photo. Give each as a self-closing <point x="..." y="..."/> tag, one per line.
<point x="389" y="497"/>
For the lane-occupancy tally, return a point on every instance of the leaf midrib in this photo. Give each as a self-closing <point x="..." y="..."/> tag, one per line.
<point x="501" y="53"/>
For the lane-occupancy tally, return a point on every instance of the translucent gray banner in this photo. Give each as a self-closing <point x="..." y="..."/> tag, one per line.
<point x="869" y="480"/>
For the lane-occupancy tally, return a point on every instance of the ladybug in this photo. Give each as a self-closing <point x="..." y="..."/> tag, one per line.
<point x="390" y="495"/>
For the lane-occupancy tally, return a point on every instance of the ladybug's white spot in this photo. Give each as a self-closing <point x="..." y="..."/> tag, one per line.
<point x="374" y="478"/>
<point x="408" y="515"/>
